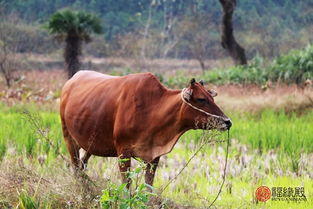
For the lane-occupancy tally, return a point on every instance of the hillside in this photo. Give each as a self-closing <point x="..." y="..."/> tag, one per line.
<point x="167" y="28"/>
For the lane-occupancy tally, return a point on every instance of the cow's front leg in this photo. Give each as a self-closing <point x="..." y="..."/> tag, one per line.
<point x="124" y="165"/>
<point x="150" y="171"/>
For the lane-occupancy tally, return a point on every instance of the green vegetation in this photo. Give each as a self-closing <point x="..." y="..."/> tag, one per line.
<point x="295" y="67"/>
<point x="27" y="202"/>
<point x="115" y="196"/>
<point x="267" y="130"/>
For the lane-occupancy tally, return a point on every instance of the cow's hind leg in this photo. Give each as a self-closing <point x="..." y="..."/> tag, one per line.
<point x="72" y="147"/>
<point x="73" y="150"/>
<point x="124" y="165"/>
<point x="150" y="171"/>
<point x="84" y="159"/>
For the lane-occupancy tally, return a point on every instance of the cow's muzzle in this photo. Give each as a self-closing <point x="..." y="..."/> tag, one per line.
<point x="228" y="123"/>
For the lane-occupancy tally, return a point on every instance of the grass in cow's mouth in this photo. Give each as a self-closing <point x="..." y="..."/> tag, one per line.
<point x="269" y="148"/>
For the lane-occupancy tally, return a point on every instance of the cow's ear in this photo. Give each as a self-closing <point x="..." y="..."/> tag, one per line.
<point x="192" y="81"/>
<point x="212" y="92"/>
<point x="187" y="93"/>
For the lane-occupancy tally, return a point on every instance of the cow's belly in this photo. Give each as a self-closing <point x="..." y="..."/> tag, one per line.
<point x="95" y="144"/>
<point x="104" y="148"/>
<point x="92" y="131"/>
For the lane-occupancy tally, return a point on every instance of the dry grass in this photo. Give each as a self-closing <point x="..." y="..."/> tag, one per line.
<point x="53" y="184"/>
<point x="168" y="66"/>
<point x="44" y="87"/>
<point x="254" y="100"/>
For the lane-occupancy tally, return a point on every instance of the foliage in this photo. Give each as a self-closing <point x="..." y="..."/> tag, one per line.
<point x="73" y="27"/>
<point x="74" y="23"/>
<point x="27" y="202"/>
<point x="251" y="73"/>
<point x="120" y="197"/>
<point x="295" y="67"/>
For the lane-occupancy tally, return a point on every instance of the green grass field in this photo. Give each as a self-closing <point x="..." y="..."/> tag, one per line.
<point x="289" y="133"/>
<point x="269" y="148"/>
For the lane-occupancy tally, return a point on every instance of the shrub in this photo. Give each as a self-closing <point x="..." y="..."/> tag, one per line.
<point x="253" y="73"/>
<point x="295" y="67"/>
<point x="120" y="197"/>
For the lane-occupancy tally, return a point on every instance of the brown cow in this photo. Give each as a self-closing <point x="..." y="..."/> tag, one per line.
<point x="132" y="116"/>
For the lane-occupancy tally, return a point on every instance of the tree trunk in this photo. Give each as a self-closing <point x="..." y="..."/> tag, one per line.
<point x="201" y="62"/>
<point x="71" y="54"/>
<point x="6" y="75"/>
<point x="229" y="42"/>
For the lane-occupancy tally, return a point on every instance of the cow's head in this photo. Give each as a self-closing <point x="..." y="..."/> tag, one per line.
<point x="201" y="109"/>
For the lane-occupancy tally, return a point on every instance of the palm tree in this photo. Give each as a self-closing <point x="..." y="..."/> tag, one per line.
<point x="73" y="27"/>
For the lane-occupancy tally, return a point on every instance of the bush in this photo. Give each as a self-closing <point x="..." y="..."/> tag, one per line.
<point x="295" y="67"/>
<point x="120" y="197"/>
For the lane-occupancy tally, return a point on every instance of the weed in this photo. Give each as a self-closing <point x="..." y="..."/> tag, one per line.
<point x="3" y="148"/>
<point x="26" y="201"/>
<point x="120" y="197"/>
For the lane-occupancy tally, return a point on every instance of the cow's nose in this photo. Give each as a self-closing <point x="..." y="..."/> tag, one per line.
<point x="228" y="123"/>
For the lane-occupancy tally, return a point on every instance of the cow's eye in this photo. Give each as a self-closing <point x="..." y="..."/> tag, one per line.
<point x="201" y="100"/>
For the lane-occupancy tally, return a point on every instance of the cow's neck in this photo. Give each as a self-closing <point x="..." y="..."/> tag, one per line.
<point x="172" y="125"/>
<point x="174" y="111"/>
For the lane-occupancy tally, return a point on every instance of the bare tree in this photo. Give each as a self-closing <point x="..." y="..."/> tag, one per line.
<point x="9" y="62"/>
<point x="146" y="31"/>
<point x="195" y="31"/>
<point x="229" y="42"/>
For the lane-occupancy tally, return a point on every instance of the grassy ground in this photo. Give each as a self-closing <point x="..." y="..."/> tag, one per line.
<point x="271" y="144"/>
<point x="267" y="148"/>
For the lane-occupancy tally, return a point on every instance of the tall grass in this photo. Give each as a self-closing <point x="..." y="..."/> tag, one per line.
<point x="270" y="130"/>
<point x="267" y="130"/>
<point x="16" y="132"/>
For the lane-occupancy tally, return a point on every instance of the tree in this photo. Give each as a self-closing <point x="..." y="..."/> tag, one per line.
<point x="229" y="42"/>
<point x="8" y="60"/>
<point x="73" y="27"/>
<point x="10" y="39"/>
<point x="195" y="31"/>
